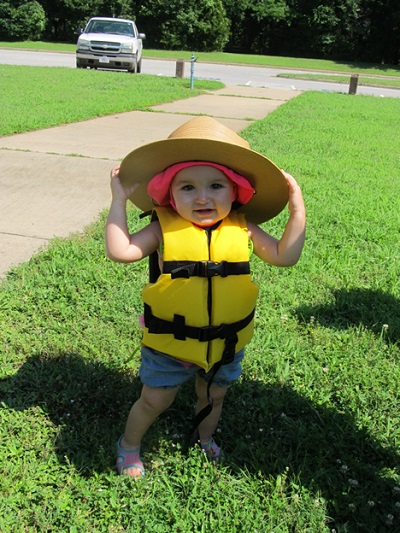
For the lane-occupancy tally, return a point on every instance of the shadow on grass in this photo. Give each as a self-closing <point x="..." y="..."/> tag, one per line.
<point x="377" y="311"/>
<point x="363" y="65"/>
<point x="278" y="432"/>
<point x="268" y="429"/>
<point x="86" y="399"/>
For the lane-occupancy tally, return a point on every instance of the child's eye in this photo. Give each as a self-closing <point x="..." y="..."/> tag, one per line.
<point x="216" y="186"/>
<point x="187" y="188"/>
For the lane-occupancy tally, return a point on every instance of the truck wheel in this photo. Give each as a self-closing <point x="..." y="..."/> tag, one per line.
<point x="139" y="66"/>
<point x="134" y="69"/>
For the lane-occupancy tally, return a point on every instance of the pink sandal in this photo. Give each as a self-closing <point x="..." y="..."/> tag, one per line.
<point x="128" y="459"/>
<point x="212" y="451"/>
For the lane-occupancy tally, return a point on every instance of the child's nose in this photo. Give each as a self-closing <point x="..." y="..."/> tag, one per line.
<point x="202" y="195"/>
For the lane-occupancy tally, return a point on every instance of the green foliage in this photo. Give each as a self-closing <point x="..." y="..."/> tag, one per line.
<point x="310" y="430"/>
<point x="252" y="21"/>
<point x="341" y="29"/>
<point x="357" y="30"/>
<point x="22" y="20"/>
<point x="382" y="37"/>
<point x="185" y="24"/>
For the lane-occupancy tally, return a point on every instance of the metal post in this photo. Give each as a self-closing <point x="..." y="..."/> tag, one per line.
<point x="192" y="71"/>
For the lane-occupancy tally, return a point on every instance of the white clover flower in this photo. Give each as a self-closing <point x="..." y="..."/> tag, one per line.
<point x="389" y="519"/>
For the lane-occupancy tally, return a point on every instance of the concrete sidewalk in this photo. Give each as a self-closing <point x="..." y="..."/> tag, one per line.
<point x="56" y="181"/>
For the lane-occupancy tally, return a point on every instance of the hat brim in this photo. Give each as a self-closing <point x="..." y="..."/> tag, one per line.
<point x="142" y="164"/>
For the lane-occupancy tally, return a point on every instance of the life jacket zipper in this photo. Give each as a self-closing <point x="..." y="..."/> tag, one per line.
<point x="209" y="281"/>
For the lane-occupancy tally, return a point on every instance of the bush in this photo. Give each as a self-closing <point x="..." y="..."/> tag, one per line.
<point x="185" y="25"/>
<point x="25" y="22"/>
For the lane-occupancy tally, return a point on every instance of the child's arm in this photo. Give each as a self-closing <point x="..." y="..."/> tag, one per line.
<point x="120" y="245"/>
<point x="287" y="250"/>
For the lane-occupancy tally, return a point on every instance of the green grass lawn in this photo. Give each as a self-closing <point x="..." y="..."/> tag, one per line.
<point x="58" y="95"/>
<point x="337" y="78"/>
<point x="311" y="429"/>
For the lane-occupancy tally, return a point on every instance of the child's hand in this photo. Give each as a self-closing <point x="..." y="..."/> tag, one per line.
<point x="119" y="192"/>
<point x="296" y="202"/>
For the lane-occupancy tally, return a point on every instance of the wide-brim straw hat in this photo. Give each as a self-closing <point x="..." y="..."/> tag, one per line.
<point x="205" y="139"/>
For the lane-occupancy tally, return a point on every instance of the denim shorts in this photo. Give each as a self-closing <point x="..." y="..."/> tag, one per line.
<point x="161" y="370"/>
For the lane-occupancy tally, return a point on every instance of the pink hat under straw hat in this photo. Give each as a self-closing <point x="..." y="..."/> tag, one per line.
<point x="204" y="139"/>
<point x="159" y="188"/>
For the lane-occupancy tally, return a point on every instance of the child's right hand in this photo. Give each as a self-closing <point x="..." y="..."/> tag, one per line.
<point x="296" y="202"/>
<point x="119" y="192"/>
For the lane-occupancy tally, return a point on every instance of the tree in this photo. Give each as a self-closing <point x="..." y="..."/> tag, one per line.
<point x="66" y="16"/>
<point x="253" y="23"/>
<point x="22" y="20"/>
<point x="359" y="30"/>
<point x="335" y="29"/>
<point x="184" y="24"/>
<point x="381" y="25"/>
<point x="318" y="29"/>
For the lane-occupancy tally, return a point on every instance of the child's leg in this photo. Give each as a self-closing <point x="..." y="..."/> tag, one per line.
<point x="226" y="374"/>
<point x="209" y="424"/>
<point x="152" y="402"/>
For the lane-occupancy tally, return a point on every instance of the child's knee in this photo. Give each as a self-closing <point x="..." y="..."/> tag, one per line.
<point x="157" y="399"/>
<point x="217" y="393"/>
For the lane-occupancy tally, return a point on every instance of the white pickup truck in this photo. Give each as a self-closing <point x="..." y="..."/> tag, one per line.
<point x="110" y="43"/>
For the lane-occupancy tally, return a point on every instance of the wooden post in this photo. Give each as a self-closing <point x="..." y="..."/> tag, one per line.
<point x="180" y="68"/>
<point x="353" y="84"/>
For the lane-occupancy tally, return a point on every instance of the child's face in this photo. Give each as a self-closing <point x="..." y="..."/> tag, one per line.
<point x="202" y="194"/>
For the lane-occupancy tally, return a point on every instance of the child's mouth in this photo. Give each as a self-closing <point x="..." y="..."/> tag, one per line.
<point x="204" y="211"/>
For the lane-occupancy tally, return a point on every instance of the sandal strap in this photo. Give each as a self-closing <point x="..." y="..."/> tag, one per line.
<point x="128" y="459"/>
<point x="212" y="450"/>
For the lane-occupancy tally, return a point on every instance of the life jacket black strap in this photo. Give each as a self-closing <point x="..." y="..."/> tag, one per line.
<point x="201" y="415"/>
<point x="205" y="269"/>
<point x="180" y="330"/>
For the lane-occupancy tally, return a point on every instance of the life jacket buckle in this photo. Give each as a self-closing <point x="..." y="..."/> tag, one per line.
<point x="210" y="333"/>
<point x="210" y="269"/>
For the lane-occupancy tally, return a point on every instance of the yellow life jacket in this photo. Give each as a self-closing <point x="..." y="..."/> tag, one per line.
<point x="201" y="307"/>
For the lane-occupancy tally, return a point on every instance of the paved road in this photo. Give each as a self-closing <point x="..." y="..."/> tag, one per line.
<point x="228" y="74"/>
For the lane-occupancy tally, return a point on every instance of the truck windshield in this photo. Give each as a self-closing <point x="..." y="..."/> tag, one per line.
<point x="115" y="27"/>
